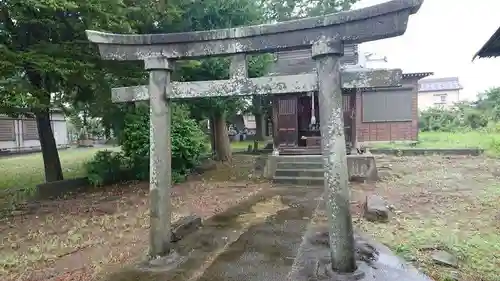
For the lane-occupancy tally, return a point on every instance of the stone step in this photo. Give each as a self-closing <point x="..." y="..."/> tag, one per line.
<point x="300" y="173"/>
<point x="299" y="159"/>
<point x="299" y="165"/>
<point x="299" y="180"/>
<point x="301" y="152"/>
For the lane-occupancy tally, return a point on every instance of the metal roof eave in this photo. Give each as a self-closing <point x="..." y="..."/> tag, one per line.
<point x="484" y="52"/>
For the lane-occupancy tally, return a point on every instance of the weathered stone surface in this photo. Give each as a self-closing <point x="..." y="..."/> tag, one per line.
<point x="375" y="209"/>
<point x="370" y="78"/>
<point x="333" y="151"/>
<point x="185" y="226"/>
<point x="375" y="262"/>
<point x="162" y="264"/>
<point x="160" y="151"/>
<point x="231" y="87"/>
<point x="356" y="26"/>
<point x="362" y="168"/>
<point x="300" y="83"/>
<point x="445" y="258"/>
<point x="292" y="62"/>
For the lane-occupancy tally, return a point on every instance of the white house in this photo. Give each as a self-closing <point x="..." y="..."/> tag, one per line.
<point x="438" y="92"/>
<point x="21" y="134"/>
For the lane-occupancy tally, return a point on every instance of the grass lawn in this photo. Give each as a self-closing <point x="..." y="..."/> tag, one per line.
<point x="243" y="145"/>
<point x="473" y="139"/>
<point x="26" y="171"/>
<point x="441" y="204"/>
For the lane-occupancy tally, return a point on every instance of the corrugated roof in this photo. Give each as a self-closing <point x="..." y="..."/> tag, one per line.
<point x="439" y="84"/>
<point x="491" y="48"/>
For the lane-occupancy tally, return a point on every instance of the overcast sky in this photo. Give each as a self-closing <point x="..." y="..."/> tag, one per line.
<point x="442" y="38"/>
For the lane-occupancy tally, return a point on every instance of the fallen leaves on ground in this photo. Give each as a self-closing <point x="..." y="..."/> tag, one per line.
<point x="73" y="239"/>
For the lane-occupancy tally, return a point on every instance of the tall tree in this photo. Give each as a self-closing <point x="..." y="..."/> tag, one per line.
<point x="214" y="14"/>
<point x="489" y="102"/>
<point x="47" y="60"/>
<point x="261" y="105"/>
<point x="279" y="10"/>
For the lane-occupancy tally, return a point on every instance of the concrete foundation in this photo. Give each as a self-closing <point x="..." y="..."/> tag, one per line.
<point x="308" y="169"/>
<point x="375" y="262"/>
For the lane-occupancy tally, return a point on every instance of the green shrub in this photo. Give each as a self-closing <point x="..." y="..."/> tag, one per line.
<point x="188" y="141"/>
<point x="134" y="141"/>
<point x="188" y="145"/>
<point x="106" y="167"/>
<point x="494" y="147"/>
<point x="460" y="118"/>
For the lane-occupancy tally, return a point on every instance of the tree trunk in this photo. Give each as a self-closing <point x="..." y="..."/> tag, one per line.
<point x="260" y="126"/>
<point x="257" y="112"/>
<point x="222" y="144"/>
<point x="107" y="132"/>
<point x="51" y="161"/>
<point x="212" y="135"/>
<point x="85" y="121"/>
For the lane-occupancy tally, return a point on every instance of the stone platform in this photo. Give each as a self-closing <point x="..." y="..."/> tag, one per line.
<point x="308" y="169"/>
<point x="375" y="261"/>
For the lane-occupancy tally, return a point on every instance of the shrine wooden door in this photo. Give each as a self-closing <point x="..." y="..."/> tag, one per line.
<point x="287" y="121"/>
<point x="349" y="118"/>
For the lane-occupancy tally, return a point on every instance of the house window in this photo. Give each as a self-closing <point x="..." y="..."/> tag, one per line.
<point x="440" y="99"/>
<point x="30" y="130"/>
<point x="7" y="132"/>
<point x="388" y="105"/>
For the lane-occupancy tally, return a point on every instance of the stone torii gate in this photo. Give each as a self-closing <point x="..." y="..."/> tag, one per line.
<point x="324" y="35"/>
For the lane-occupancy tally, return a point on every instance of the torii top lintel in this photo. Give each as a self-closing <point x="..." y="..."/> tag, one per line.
<point x="381" y="21"/>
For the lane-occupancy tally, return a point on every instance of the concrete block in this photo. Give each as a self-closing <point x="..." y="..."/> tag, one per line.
<point x="362" y="168"/>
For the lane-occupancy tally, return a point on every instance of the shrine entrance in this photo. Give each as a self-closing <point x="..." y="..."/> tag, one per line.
<point x="325" y="37"/>
<point x="298" y="122"/>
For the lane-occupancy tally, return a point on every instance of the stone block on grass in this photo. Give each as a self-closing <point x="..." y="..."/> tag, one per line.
<point x="362" y="168"/>
<point x="375" y="209"/>
<point x="185" y="226"/>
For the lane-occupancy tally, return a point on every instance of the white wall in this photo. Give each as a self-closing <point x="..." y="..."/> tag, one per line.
<point x="249" y="121"/>
<point x="59" y="128"/>
<point x="427" y="100"/>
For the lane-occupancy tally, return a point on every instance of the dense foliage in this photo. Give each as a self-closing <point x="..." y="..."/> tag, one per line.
<point x="188" y="146"/>
<point x="106" y="167"/>
<point x="48" y="62"/>
<point x="484" y="114"/>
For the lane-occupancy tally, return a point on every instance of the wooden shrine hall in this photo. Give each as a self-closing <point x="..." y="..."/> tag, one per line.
<point x="296" y="121"/>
